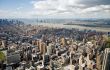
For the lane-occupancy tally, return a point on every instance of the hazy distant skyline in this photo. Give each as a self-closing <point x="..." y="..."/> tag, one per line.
<point x="55" y="8"/>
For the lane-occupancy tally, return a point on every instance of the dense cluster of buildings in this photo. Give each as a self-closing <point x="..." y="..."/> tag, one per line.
<point x="42" y="48"/>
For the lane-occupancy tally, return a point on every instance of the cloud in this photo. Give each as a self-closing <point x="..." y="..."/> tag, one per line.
<point x="61" y="8"/>
<point x="98" y="8"/>
<point x="90" y="3"/>
<point x="56" y="5"/>
<point x="19" y="8"/>
<point x="75" y="7"/>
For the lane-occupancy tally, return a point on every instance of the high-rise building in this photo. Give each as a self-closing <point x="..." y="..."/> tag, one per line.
<point x="62" y="41"/>
<point x="106" y="60"/>
<point x="42" y="47"/>
<point x="49" y="49"/>
<point x="81" y="61"/>
<point x="108" y="34"/>
<point x="2" y="44"/>
<point x="98" y="61"/>
<point x="46" y="60"/>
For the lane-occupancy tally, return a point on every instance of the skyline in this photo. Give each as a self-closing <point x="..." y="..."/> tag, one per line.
<point x="54" y="9"/>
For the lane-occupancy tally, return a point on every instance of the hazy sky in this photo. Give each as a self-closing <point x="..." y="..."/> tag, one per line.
<point x="55" y="8"/>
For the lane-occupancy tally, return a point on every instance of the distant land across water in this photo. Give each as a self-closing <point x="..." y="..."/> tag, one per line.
<point x="91" y="23"/>
<point x="87" y="23"/>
